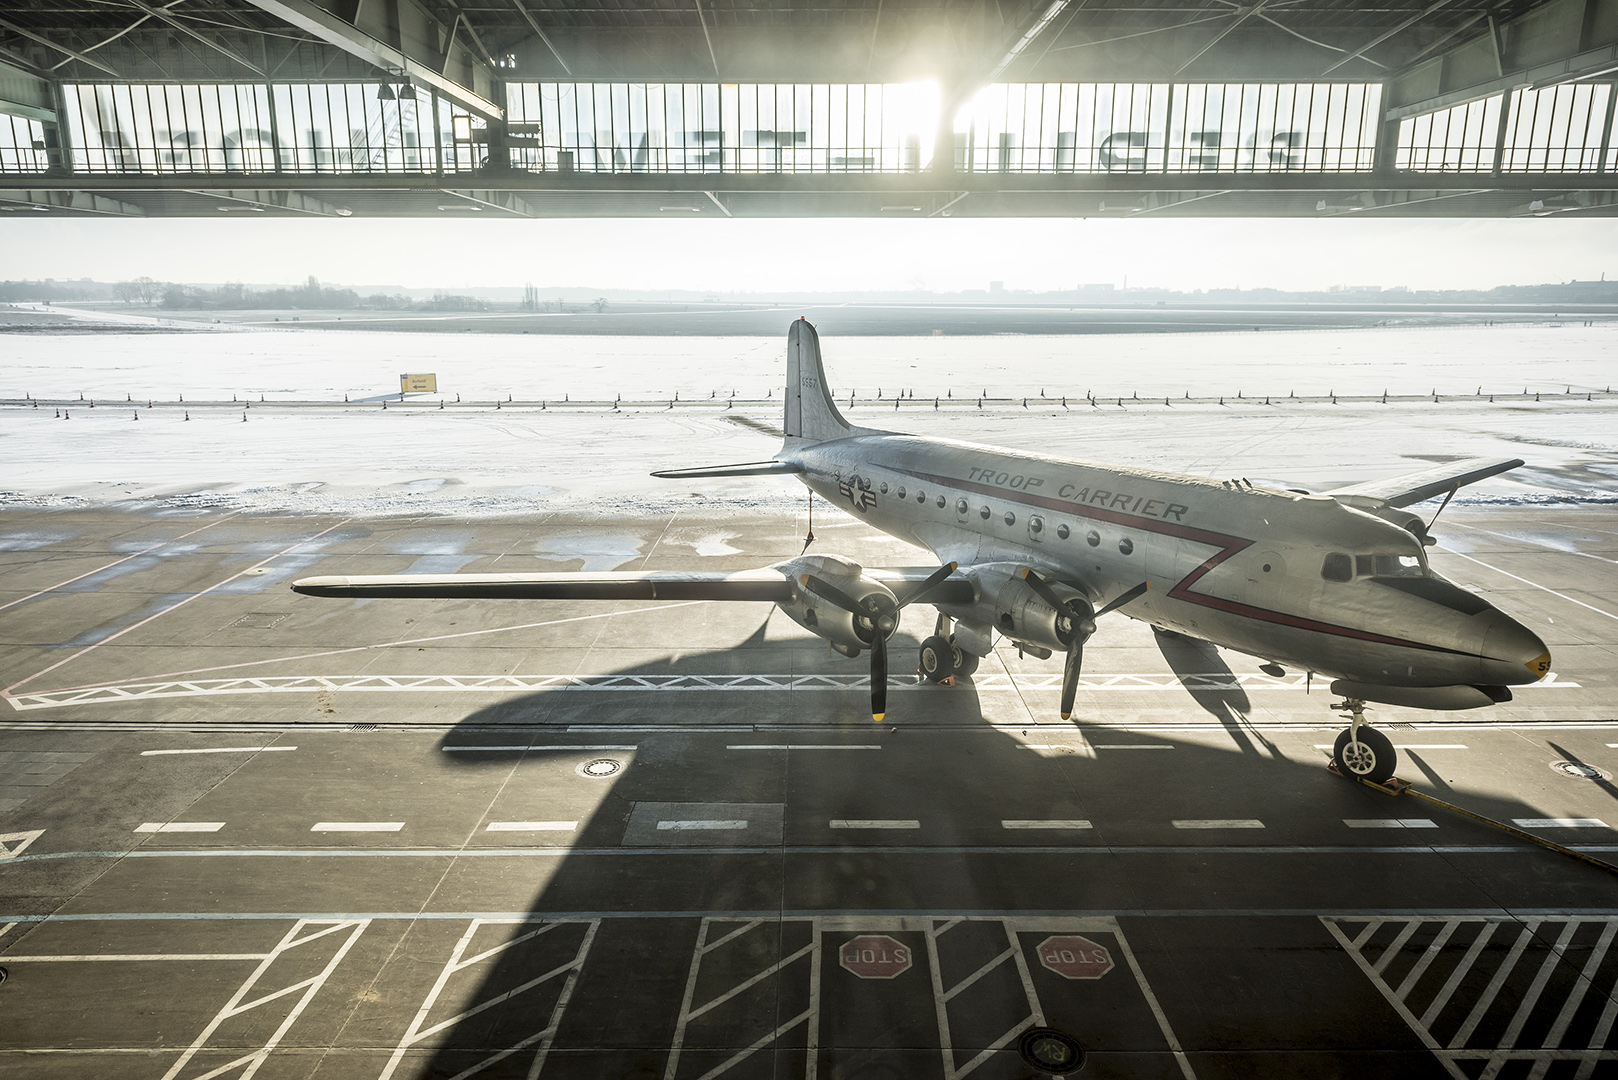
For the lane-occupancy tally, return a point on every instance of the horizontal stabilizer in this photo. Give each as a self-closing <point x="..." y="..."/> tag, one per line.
<point x="1400" y="491"/>
<point x="763" y="585"/>
<point x="751" y="468"/>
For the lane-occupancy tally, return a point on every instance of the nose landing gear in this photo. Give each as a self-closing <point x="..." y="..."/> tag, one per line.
<point x="1361" y="751"/>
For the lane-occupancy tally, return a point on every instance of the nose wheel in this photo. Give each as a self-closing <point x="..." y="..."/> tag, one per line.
<point x="1361" y="751"/>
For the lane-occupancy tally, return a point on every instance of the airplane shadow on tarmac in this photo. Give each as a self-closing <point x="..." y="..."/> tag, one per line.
<point x="667" y="954"/>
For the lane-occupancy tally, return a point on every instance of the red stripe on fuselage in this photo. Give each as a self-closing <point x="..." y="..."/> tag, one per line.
<point x="1227" y="545"/>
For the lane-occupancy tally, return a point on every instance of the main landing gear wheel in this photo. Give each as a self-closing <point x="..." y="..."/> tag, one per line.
<point x="1365" y="754"/>
<point x="937" y="659"/>
<point x="965" y="663"/>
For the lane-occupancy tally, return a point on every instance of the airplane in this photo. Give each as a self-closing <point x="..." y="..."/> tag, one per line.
<point x="1036" y="549"/>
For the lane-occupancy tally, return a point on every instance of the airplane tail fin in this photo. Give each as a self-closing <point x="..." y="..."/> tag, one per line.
<point x="811" y="415"/>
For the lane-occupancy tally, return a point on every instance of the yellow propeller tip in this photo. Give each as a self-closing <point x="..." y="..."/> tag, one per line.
<point x="876" y="717"/>
<point x="1067" y="716"/>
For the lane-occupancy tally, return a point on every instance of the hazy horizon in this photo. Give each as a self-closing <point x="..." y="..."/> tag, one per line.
<point x="830" y="255"/>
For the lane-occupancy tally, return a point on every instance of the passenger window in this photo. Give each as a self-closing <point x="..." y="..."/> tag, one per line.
<point x="1126" y="545"/>
<point x="1063" y="531"/>
<point x="984" y="513"/>
<point x="941" y="502"/>
<point x="901" y="493"/>
<point x="1011" y="519"/>
<point x="1035" y="524"/>
<point x="960" y="506"/>
<point x="884" y="489"/>
<point x="921" y="496"/>
<point x="1337" y="567"/>
<point x="1092" y="538"/>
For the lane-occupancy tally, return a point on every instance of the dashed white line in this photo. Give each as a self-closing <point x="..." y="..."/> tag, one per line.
<point x="1390" y="823"/>
<point x="1046" y="823"/>
<point x="1410" y="746"/>
<point x="1559" y="823"/>
<point x="1131" y="746"/>
<point x="803" y="746"/>
<point x="357" y="826"/>
<point x="531" y="826"/>
<point x="525" y="746"/>
<point x="711" y="825"/>
<point x="1218" y="823"/>
<point x="180" y="826"/>
<point x="220" y="750"/>
<point x="873" y="823"/>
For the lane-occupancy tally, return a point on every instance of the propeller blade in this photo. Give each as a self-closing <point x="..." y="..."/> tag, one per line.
<point x="827" y="591"/>
<point x="879" y="677"/>
<point x="933" y="579"/>
<point x="1070" y="675"/>
<point x="1133" y="594"/>
<point x="1043" y="590"/>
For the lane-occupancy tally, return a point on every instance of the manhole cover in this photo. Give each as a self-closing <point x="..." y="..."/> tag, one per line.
<point x="1051" y="1051"/>
<point x="598" y="768"/>
<point x="1580" y="770"/>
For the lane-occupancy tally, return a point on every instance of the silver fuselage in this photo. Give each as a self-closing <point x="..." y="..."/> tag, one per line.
<point x="1233" y="564"/>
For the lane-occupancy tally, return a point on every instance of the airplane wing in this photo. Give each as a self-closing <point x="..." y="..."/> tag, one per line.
<point x="767" y="585"/>
<point x="1401" y="491"/>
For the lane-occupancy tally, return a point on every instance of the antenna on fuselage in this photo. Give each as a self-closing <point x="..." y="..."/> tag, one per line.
<point x="807" y="540"/>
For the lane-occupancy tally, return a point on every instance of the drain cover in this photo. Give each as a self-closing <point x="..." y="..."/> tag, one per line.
<point x="1051" y="1051"/>
<point x="598" y="768"/>
<point x="1580" y="770"/>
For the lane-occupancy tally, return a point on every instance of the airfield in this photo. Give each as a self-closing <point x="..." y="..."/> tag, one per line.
<point x="252" y="832"/>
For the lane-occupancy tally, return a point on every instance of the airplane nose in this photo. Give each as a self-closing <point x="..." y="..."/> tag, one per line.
<point x="1514" y="655"/>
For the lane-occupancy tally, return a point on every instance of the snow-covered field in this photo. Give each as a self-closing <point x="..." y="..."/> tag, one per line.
<point x="361" y="459"/>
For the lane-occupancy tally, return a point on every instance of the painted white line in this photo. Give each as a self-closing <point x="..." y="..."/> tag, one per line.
<point x="558" y="749"/>
<point x="532" y="826"/>
<point x="180" y="826"/>
<point x="1409" y="746"/>
<point x="702" y="825"/>
<point x="1525" y="581"/>
<point x="802" y="746"/>
<point x="1559" y="823"/>
<point x="1390" y="823"/>
<point x="1047" y="823"/>
<point x="1131" y="746"/>
<point x="220" y="750"/>
<point x="869" y="823"/>
<point x="79" y="958"/>
<point x="1218" y="823"/>
<point x="357" y="826"/>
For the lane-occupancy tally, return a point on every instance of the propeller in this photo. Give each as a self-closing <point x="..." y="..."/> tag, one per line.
<point x="877" y="616"/>
<point x="1080" y="619"/>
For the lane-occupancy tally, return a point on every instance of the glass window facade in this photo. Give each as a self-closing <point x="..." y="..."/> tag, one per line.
<point x="1557" y="129"/>
<point x="22" y="145"/>
<point x="722" y="128"/>
<point x="1162" y="127"/>
<point x="1457" y="139"/>
<point x="248" y="127"/>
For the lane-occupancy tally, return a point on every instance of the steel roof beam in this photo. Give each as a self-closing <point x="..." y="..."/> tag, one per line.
<point x="316" y="20"/>
<point x="163" y="15"/>
<point x="63" y="49"/>
<point x="522" y="9"/>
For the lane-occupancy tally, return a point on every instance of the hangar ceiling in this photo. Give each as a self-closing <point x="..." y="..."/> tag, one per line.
<point x="721" y="108"/>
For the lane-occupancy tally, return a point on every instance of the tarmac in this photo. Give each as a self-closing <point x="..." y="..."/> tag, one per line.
<point x="249" y="833"/>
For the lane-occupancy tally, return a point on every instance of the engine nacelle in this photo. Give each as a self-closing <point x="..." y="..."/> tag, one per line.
<point x="846" y="633"/>
<point x="1007" y="603"/>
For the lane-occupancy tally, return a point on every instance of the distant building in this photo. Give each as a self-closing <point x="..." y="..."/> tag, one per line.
<point x="996" y="287"/>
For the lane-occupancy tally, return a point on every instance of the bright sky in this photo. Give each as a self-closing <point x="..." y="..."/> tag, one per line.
<point x="816" y="255"/>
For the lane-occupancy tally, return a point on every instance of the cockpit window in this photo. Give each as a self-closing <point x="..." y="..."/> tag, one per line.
<point x="1398" y="566"/>
<point x="1337" y="567"/>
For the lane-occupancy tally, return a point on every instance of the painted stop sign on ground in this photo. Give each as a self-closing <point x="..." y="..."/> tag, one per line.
<point x="1075" y="957"/>
<point x="875" y="956"/>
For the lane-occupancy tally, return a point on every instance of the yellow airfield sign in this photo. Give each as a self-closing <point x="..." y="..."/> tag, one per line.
<point x="418" y="384"/>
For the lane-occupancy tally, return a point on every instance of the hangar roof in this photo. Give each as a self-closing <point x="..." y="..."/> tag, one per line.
<point x="739" y="107"/>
